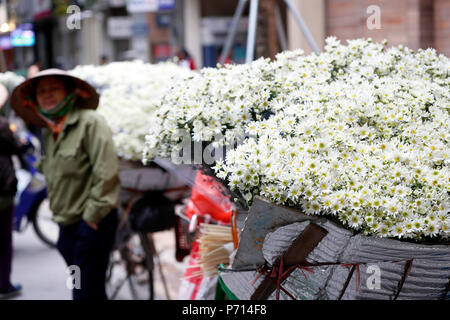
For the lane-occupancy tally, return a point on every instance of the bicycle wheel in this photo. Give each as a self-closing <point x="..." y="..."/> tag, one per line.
<point x="148" y="264"/>
<point x="46" y="229"/>
<point x="130" y="274"/>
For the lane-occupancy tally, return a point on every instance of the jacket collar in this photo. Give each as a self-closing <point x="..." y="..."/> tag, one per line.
<point x="72" y="116"/>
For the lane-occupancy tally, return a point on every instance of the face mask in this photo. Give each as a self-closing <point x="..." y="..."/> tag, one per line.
<point x="61" y="108"/>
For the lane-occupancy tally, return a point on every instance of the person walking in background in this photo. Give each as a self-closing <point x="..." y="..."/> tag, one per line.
<point x="103" y="59"/>
<point x="33" y="69"/>
<point x="8" y="188"/>
<point x="185" y="59"/>
<point x="81" y="168"/>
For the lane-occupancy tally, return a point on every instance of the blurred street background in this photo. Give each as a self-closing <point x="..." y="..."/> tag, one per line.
<point x="67" y="33"/>
<point x="38" y="268"/>
<point x="42" y="271"/>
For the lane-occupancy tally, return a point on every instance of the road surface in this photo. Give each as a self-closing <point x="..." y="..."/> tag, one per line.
<point x="42" y="272"/>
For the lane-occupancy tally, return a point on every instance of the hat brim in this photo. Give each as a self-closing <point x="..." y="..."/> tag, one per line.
<point x="88" y="99"/>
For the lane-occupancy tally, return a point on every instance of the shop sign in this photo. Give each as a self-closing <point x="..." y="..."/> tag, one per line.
<point x="135" y="6"/>
<point x="163" y="20"/>
<point x="119" y="27"/>
<point x="140" y="29"/>
<point x="5" y="43"/>
<point x="162" y="51"/>
<point x="23" y="36"/>
<point x="166" y="4"/>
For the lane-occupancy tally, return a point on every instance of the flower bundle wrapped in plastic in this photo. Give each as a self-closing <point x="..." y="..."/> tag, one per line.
<point x="361" y="134"/>
<point x="130" y="92"/>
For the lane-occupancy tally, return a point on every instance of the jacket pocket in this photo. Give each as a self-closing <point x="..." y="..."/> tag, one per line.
<point x="69" y="162"/>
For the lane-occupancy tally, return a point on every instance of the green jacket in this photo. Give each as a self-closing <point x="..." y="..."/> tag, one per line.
<point x="81" y="169"/>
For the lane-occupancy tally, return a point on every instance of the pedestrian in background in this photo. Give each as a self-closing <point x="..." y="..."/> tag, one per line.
<point x="185" y="59"/>
<point x="103" y="59"/>
<point x="8" y="188"/>
<point x="33" y="69"/>
<point x="81" y="168"/>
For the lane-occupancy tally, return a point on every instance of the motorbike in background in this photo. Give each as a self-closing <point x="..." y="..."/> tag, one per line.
<point x="31" y="203"/>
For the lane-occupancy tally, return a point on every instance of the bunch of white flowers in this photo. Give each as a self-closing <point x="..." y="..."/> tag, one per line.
<point x="361" y="133"/>
<point x="130" y="92"/>
<point x="11" y="80"/>
<point x="213" y="106"/>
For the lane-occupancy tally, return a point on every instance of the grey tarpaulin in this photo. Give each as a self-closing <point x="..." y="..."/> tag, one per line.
<point x="270" y="229"/>
<point x="136" y="176"/>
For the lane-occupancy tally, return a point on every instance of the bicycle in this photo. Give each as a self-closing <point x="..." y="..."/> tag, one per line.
<point x="135" y="257"/>
<point x="134" y="253"/>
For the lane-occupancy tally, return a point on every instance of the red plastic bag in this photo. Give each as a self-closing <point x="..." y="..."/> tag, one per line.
<point x="208" y="199"/>
<point x="191" y="282"/>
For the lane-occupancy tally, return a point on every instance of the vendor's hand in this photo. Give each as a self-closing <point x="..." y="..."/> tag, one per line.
<point x="92" y="225"/>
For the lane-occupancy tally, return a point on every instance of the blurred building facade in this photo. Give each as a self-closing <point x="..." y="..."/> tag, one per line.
<point x="413" y="23"/>
<point x="65" y="33"/>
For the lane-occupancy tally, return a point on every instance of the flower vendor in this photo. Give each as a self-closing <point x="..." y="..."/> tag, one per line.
<point x="81" y="168"/>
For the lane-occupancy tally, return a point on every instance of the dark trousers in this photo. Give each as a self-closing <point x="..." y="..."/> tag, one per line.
<point x="89" y="250"/>
<point x="6" y="222"/>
